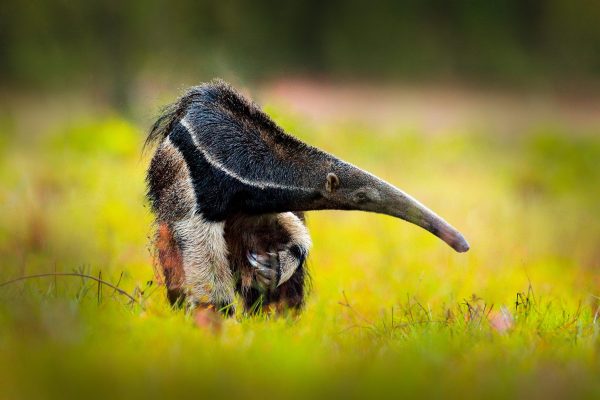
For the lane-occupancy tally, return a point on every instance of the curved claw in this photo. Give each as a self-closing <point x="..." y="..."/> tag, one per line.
<point x="266" y="273"/>
<point x="257" y="260"/>
<point x="273" y="269"/>
<point x="266" y="267"/>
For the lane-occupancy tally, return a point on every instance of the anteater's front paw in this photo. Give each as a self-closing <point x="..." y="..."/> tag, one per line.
<point x="271" y="269"/>
<point x="266" y="268"/>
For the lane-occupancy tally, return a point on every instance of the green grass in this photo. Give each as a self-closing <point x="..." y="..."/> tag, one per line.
<point x="392" y="309"/>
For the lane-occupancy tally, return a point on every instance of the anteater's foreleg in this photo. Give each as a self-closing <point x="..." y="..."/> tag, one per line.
<point x="268" y="254"/>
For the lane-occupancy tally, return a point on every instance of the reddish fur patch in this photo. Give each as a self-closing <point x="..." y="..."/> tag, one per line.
<point x="170" y="260"/>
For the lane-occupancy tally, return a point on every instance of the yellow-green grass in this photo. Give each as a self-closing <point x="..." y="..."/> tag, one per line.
<point x="392" y="309"/>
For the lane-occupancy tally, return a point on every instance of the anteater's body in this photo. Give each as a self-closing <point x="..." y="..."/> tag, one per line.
<point x="229" y="187"/>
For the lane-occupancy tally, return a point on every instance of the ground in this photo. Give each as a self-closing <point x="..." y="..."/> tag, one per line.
<point x="392" y="309"/>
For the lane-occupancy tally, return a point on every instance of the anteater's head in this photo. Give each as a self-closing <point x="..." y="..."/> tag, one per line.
<point x="350" y="188"/>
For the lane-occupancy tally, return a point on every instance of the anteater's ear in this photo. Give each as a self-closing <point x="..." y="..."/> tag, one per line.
<point x="333" y="182"/>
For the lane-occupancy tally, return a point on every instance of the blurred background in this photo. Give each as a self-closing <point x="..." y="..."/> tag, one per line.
<point x="488" y="112"/>
<point x="115" y="50"/>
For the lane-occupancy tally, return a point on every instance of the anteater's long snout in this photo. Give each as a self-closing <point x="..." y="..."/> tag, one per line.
<point x="399" y="204"/>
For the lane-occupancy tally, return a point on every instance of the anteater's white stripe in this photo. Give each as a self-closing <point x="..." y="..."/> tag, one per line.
<point x="217" y="164"/>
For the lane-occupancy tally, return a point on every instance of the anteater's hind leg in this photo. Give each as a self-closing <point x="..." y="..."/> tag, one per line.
<point x="171" y="262"/>
<point x="196" y="273"/>
<point x="208" y="278"/>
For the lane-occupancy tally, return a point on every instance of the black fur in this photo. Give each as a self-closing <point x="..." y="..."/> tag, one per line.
<point x="218" y="195"/>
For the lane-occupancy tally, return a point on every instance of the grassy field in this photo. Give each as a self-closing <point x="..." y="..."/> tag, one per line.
<point x="392" y="309"/>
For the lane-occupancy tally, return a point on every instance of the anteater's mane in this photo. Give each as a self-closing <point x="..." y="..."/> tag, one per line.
<point x="216" y="92"/>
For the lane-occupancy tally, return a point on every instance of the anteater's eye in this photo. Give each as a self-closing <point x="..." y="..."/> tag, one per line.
<point x="360" y="197"/>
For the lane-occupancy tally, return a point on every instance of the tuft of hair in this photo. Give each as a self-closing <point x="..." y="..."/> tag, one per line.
<point x="216" y="93"/>
<point x="215" y="90"/>
<point x="169" y="115"/>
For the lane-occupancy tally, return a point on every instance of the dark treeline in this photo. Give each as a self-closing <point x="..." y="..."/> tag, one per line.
<point x="53" y="42"/>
